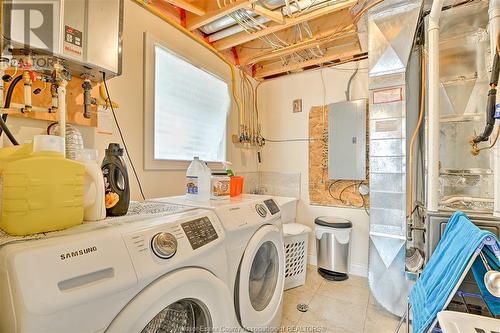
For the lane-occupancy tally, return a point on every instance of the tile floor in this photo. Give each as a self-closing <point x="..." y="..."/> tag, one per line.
<point x="336" y="307"/>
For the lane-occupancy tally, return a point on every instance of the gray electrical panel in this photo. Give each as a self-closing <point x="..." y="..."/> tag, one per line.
<point x="347" y="140"/>
<point x="85" y="34"/>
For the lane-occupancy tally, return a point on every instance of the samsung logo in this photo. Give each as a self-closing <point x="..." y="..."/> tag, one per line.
<point x="234" y="208"/>
<point x="78" y="253"/>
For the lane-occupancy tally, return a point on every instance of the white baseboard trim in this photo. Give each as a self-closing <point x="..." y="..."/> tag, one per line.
<point x="354" y="269"/>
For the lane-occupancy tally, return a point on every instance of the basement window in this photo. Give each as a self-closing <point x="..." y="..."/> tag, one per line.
<point x="189" y="110"/>
<point x="191" y="107"/>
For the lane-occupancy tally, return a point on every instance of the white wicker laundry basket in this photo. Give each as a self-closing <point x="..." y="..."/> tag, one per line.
<point x="296" y="239"/>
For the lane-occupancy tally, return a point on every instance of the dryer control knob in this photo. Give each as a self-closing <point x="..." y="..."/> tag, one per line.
<point x="261" y="210"/>
<point x="164" y="245"/>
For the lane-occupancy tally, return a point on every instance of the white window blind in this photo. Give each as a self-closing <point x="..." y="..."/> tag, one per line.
<point x="190" y="110"/>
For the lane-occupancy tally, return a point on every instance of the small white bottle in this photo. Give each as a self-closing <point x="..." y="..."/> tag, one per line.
<point x="205" y="183"/>
<point x="94" y="203"/>
<point x="198" y="181"/>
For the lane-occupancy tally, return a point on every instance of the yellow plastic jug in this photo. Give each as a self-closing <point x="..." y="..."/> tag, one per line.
<point x="40" y="190"/>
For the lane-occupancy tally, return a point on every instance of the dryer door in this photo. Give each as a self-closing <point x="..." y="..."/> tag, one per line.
<point x="188" y="300"/>
<point x="261" y="279"/>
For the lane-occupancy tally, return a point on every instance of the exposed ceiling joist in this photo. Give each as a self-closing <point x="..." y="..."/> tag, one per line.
<point x="213" y="12"/>
<point x="272" y="15"/>
<point x="304" y="45"/>
<point x="338" y="54"/>
<point x="323" y="29"/>
<point x="163" y="8"/>
<point x="187" y="6"/>
<point x="273" y="27"/>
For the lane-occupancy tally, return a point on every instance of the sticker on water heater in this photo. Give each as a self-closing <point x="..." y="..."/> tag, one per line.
<point x="192" y="185"/>
<point x="73" y="41"/>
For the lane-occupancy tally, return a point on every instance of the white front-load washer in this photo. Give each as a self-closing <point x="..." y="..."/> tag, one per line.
<point x="166" y="274"/>
<point x="255" y="254"/>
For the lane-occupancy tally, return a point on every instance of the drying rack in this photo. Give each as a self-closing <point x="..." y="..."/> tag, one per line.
<point x="432" y="328"/>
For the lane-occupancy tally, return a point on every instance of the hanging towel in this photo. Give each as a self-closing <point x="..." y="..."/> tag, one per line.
<point x="446" y="268"/>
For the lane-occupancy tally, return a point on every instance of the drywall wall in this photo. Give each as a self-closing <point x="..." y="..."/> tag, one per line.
<point x="280" y="123"/>
<point x="127" y="91"/>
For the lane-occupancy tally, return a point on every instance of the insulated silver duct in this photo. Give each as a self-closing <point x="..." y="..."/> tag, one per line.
<point x="222" y="23"/>
<point x="226" y="26"/>
<point x="393" y="107"/>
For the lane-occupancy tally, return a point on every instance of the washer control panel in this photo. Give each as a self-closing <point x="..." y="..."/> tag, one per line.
<point x="199" y="232"/>
<point x="272" y="206"/>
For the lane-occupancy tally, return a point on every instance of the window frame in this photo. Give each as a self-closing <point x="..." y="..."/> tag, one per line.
<point x="209" y="65"/>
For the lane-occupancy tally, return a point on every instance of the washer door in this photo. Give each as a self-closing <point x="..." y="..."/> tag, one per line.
<point x="188" y="300"/>
<point x="261" y="279"/>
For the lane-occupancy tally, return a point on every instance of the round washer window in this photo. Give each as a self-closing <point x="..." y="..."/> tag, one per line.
<point x="184" y="316"/>
<point x="263" y="276"/>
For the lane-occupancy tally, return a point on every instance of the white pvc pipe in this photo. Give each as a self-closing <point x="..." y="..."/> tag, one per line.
<point x="434" y="83"/>
<point x="27" y="95"/>
<point x="494" y="26"/>
<point x="61" y="96"/>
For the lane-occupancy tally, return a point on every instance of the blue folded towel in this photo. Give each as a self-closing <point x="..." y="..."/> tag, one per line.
<point x="460" y="242"/>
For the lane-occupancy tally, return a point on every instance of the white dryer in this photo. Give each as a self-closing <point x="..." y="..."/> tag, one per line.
<point x="255" y="256"/>
<point x="166" y="274"/>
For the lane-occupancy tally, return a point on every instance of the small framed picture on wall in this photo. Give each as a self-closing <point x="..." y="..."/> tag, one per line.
<point x="297" y="105"/>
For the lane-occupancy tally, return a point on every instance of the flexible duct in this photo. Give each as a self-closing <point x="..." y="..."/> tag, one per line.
<point x="222" y="23"/>
<point x="434" y="83"/>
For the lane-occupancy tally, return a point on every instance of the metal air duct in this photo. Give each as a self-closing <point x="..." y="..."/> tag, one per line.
<point x="393" y="73"/>
<point x="226" y="26"/>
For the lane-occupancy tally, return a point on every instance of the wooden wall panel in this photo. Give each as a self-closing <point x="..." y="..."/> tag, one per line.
<point x="74" y="101"/>
<point x="324" y="191"/>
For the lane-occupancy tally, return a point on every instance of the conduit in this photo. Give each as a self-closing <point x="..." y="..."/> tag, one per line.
<point x="188" y="34"/>
<point x="433" y="147"/>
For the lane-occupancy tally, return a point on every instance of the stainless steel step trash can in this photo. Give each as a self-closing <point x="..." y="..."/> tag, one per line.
<point x="333" y="237"/>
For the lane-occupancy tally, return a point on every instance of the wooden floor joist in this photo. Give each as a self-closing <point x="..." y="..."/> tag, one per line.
<point x="213" y="12"/>
<point x="187" y="6"/>
<point x="314" y="42"/>
<point x="334" y="54"/>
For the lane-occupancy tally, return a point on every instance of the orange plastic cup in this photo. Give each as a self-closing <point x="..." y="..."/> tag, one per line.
<point x="236" y="186"/>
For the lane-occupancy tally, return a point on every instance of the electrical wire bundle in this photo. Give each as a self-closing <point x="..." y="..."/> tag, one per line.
<point x="357" y="184"/>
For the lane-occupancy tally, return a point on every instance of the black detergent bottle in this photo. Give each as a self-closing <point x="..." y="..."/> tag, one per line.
<point x="116" y="182"/>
